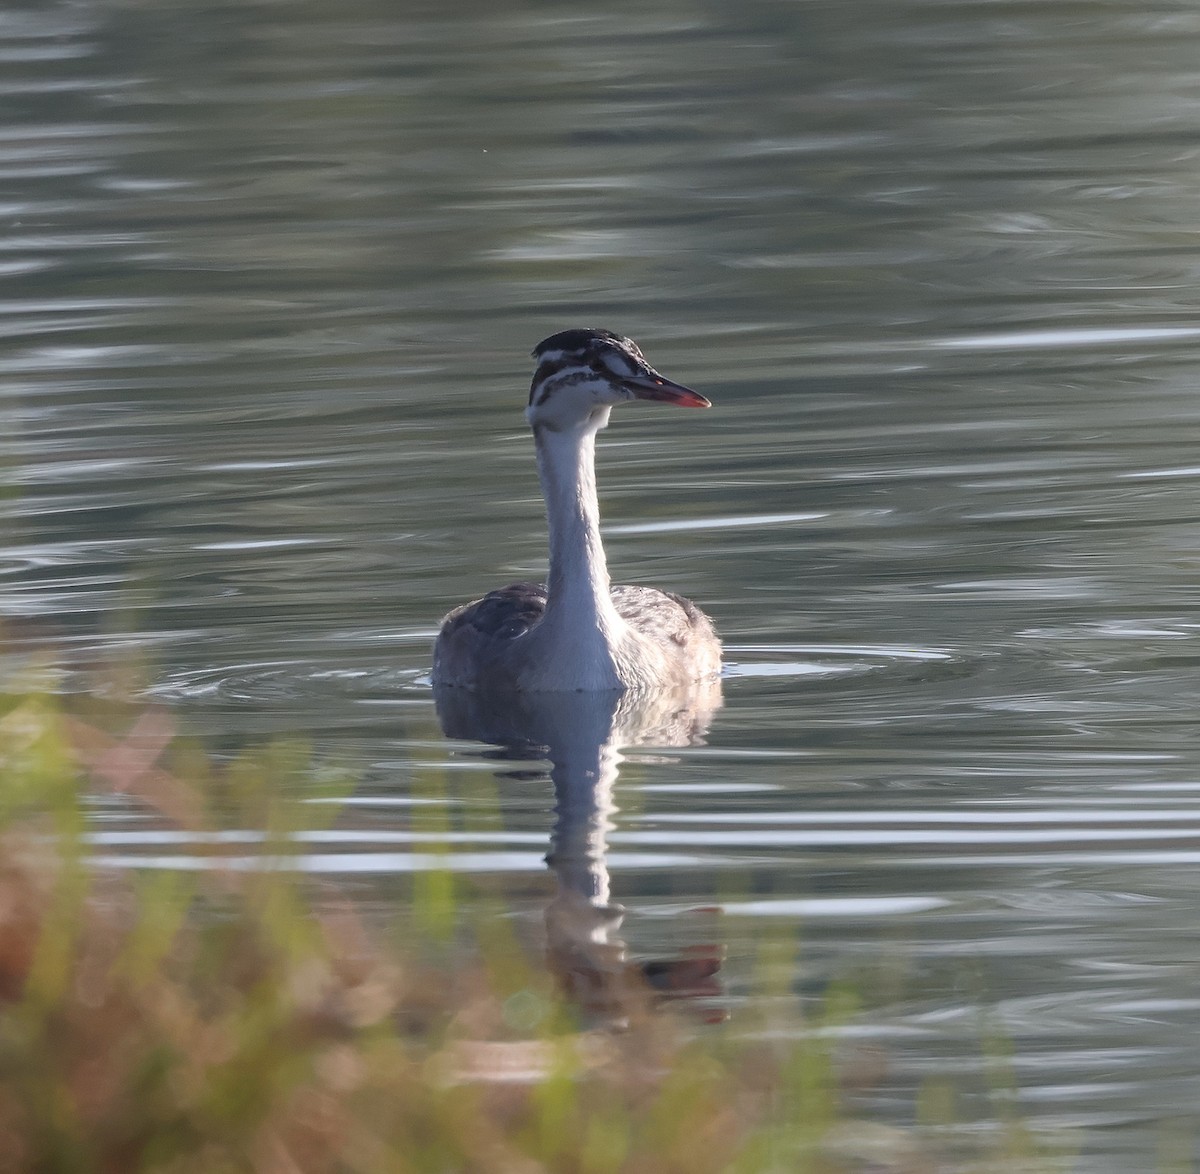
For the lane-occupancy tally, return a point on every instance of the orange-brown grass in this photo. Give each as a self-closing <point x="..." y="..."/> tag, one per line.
<point x="233" y="1020"/>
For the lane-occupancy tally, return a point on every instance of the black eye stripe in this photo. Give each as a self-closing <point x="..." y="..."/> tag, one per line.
<point x="610" y="361"/>
<point x="551" y="377"/>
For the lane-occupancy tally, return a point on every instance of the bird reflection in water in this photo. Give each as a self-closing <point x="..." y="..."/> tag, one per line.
<point x="582" y="735"/>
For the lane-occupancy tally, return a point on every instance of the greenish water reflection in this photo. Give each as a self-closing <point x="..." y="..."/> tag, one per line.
<point x="271" y="273"/>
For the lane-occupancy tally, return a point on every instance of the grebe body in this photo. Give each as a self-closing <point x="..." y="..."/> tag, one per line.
<point x="577" y="632"/>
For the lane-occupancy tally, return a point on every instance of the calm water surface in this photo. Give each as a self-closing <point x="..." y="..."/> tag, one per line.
<point x="270" y="277"/>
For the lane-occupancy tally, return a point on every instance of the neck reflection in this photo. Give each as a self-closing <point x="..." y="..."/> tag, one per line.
<point x="582" y="735"/>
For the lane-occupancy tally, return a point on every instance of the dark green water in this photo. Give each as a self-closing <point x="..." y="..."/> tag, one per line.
<point x="270" y="276"/>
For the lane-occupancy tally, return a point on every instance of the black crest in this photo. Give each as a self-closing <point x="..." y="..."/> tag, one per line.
<point x="578" y="339"/>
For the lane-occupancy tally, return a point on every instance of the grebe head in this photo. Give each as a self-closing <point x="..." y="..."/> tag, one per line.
<point x="582" y="374"/>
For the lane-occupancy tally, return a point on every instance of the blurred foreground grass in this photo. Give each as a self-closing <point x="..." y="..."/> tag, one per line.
<point x="226" y="1019"/>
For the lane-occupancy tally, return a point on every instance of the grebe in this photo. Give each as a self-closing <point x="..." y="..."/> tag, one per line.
<point x="577" y="632"/>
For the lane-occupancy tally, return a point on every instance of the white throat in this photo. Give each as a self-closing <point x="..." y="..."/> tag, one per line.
<point x="581" y="627"/>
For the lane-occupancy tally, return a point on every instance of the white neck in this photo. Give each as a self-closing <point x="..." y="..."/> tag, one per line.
<point x="580" y="616"/>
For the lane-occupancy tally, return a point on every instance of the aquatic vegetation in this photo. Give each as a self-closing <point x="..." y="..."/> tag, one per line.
<point x="227" y="1019"/>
